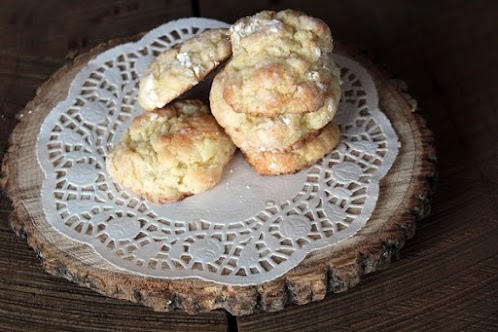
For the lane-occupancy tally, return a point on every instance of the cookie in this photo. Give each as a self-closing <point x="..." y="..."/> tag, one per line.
<point x="170" y="153"/>
<point x="300" y="156"/>
<point x="280" y="64"/>
<point x="178" y="69"/>
<point x="268" y="27"/>
<point x="271" y="133"/>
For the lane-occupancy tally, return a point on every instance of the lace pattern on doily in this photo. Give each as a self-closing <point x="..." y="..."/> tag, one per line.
<point x="327" y="203"/>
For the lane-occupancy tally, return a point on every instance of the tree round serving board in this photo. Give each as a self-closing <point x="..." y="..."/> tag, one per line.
<point x="252" y="243"/>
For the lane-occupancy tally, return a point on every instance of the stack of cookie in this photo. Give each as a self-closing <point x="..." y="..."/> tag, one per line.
<point x="275" y="98"/>
<point x="279" y="92"/>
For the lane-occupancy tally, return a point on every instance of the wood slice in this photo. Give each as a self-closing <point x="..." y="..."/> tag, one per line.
<point x="405" y="194"/>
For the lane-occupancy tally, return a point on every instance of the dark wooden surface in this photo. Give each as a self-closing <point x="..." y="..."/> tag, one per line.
<point x="446" y="278"/>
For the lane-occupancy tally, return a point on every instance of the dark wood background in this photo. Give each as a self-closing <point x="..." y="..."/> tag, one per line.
<point x="446" y="278"/>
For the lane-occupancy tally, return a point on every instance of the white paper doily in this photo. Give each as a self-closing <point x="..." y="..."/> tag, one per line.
<point x="247" y="230"/>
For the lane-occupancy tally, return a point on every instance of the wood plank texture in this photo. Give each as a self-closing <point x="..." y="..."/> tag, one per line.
<point x="445" y="279"/>
<point x="36" y="38"/>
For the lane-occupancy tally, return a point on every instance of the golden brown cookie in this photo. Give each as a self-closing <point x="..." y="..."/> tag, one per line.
<point x="178" y="69"/>
<point x="280" y="64"/>
<point x="172" y="152"/>
<point x="268" y="27"/>
<point x="301" y="156"/>
<point x="270" y="133"/>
